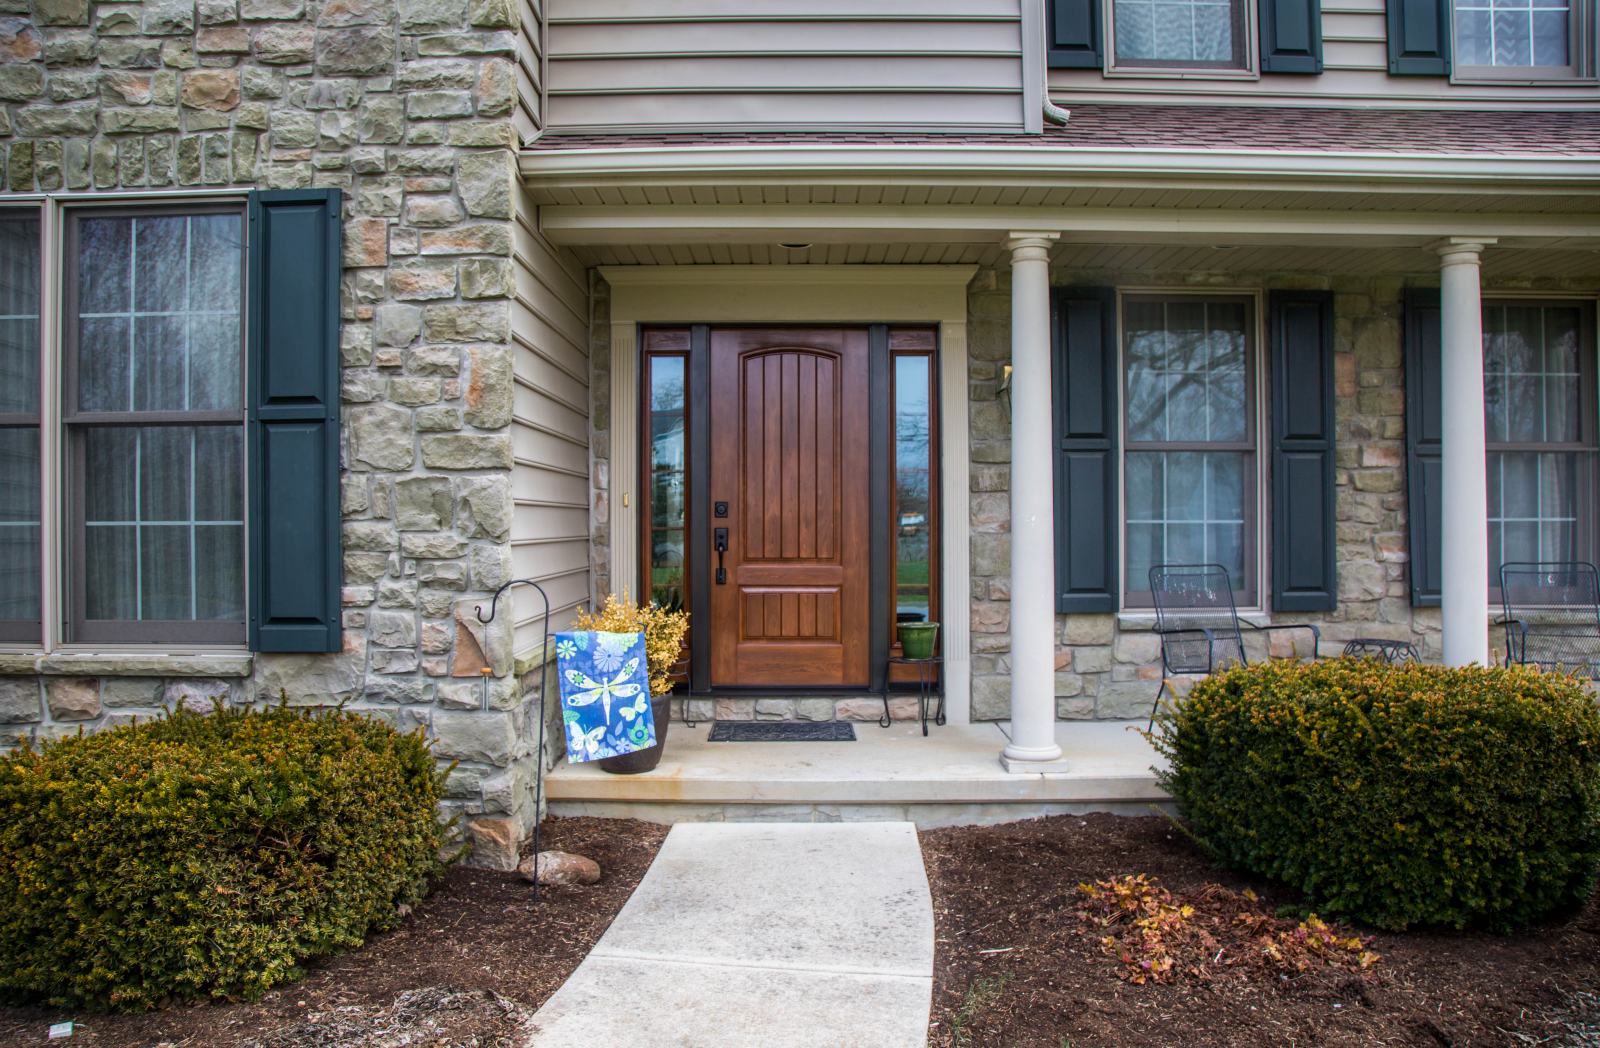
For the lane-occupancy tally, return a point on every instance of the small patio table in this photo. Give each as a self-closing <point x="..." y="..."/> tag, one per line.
<point x="1390" y="651"/>
<point x="930" y="683"/>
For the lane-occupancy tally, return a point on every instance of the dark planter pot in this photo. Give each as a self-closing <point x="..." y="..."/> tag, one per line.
<point x="917" y="639"/>
<point x="646" y="759"/>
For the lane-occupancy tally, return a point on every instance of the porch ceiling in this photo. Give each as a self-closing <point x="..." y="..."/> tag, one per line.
<point x="1500" y="265"/>
<point x="1537" y="234"/>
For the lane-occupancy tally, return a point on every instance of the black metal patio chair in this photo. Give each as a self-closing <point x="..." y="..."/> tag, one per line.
<point x="1552" y="615"/>
<point x="1199" y="625"/>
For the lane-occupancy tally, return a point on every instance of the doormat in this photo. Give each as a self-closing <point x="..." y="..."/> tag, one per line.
<point x="783" y="731"/>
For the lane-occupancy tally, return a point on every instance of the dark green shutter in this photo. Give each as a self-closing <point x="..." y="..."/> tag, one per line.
<point x="1291" y="36"/>
<point x="1073" y="34"/>
<point x="1084" y="377"/>
<point x="293" y="421"/>
<point x="1419" y="37"/>
<point x="1424" y="434"/>
<point x="1304" y="570"/>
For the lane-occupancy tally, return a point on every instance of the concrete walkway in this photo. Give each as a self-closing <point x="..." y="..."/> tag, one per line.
<point x="777" y="935"/>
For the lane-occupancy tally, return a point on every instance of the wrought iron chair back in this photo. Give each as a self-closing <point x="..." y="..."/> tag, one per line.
<point x="1552" y="615"/>
<point x="1196" y="618"/>
<point x="1199" y="624"/>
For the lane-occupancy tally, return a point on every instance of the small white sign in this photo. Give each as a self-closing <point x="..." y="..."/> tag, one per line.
<point x="60" y="1031"/>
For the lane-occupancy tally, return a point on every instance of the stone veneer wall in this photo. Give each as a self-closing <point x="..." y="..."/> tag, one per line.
<point x="405" y="105"/>
<point x="1109" y="666"/>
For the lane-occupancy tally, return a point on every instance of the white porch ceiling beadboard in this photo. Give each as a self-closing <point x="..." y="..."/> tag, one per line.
<point x="773" y="255"/>
<point x="1500" y="265"/>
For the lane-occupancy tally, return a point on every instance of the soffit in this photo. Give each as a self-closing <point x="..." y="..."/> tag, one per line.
<point x="1160" y="263"/>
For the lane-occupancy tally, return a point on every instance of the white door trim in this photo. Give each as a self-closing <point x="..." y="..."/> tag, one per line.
<point x="803" y="294"/>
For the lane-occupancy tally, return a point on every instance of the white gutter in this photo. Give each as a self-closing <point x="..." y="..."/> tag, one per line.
<point x="791" y="164"/>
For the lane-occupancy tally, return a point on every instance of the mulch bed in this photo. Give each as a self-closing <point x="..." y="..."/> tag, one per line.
<point x="1051" y="980"/>
<point x="466" y="968"/>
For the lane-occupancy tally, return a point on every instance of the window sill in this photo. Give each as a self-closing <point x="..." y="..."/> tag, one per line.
<point x="527" y="661"/>
<point x="1518" y="79"/>
<point x="126" y="664"/>
<point x="1145" y="621"/>
<point x="1135" y="72"/>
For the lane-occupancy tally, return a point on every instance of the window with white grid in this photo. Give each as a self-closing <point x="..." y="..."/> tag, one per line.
<point x="1179" y="33"/>
<point x="1538" y="363"/>
<point x="1514" y="34"/>
<point x="1189" y="466"/>
<point x="154" y="414"/>
<point x="19" y="424"/>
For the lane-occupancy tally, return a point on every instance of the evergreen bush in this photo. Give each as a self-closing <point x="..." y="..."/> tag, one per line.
<point x="210" y="855"/>
<point x="1395" y="795"/>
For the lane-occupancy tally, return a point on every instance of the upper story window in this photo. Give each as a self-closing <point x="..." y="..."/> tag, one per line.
<point x="1519" y="38"/>
<point x="1179" y="34"/>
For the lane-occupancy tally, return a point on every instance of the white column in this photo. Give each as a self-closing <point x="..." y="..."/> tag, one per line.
<point x="1033" y="621"/>
<point x="1465" y="527"/>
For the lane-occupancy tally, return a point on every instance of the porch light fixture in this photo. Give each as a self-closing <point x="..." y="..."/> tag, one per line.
<point x="1004" y="392"/>
<point x="795" y="247"/>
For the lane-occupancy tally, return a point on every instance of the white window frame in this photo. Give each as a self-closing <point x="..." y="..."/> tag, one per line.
<point x="1259" y="376"/>
<point x="1491" y="296"/>
<point x="1250" y="70"/>
<point x="1582" y="49"/>
<point x="54" y="597"/>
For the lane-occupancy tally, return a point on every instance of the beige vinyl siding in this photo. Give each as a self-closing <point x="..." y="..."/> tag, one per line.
<point x="528" y="118"/>
<point x="775" y="64"/>
<point x="550" y="428"/>
<point x="1356" y="68"/>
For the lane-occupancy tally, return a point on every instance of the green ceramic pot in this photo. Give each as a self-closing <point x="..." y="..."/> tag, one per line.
<point x="917" y="639"/>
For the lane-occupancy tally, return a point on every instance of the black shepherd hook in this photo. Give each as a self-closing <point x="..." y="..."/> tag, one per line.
<point x="538" y="768"/>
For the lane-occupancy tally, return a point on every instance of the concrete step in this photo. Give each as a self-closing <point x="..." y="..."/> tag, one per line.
<point x="862" y="708"/>
<point x="951" y="777"/>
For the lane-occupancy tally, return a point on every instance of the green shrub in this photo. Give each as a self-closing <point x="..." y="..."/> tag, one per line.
<point x="207" y="855"/>
<point x="1398" y="796"/>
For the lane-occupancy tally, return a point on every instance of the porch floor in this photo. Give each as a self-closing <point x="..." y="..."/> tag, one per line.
<point x="952" y="777"/>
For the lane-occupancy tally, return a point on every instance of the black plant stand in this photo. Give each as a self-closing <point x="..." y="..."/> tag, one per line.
<point x="930" y="685"/>
<point x="544" y="668"/>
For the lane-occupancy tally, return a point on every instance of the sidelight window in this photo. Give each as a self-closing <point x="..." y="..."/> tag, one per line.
<point x="914" y="506"/>
<point x="667" y="472"/>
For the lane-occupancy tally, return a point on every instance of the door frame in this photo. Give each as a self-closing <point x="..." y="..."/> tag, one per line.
<point x="803" y="295"/>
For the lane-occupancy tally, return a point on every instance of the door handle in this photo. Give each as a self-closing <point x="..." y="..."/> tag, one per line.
<point x="719" y="542"/>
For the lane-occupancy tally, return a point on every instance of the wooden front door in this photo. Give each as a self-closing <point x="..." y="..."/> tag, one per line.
<point x="789" y="444"/>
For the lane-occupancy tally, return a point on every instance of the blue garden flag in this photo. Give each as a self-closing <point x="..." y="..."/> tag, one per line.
<point x="605" y="694"/>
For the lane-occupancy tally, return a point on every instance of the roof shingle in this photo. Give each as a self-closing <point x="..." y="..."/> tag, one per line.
<point x="1200" y="127"/>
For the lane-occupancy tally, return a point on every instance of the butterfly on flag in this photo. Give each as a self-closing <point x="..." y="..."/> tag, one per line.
<point x="605" y="694"/>
<point x="585" y="742"/>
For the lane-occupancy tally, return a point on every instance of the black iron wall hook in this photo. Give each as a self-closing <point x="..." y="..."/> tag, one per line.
<point x="544" y="653"/>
